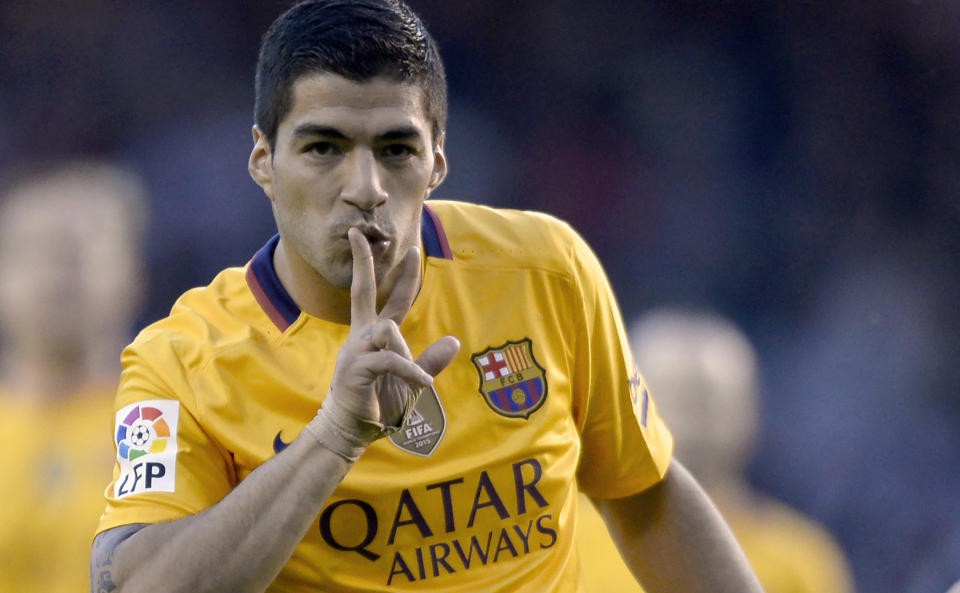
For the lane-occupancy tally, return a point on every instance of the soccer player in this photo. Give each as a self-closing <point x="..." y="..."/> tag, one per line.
<point x="704" y="372"/>
<point x="389" y="396"/>
<point x="69" y="260"/>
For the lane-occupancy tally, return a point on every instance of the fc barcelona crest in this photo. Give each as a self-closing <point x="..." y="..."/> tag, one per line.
<point x="511" y="381"/>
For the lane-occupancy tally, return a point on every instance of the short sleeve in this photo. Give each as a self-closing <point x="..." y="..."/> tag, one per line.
<point x="626" y="447"/>
<point x="167" y="467"/>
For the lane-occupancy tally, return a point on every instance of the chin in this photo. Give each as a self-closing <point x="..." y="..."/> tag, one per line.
<point x="336" y="276"/>
<point x="341" y="276"/>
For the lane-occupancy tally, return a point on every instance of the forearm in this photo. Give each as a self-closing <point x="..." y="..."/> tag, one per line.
<point x="673" y="539"/>
<point x="241" y="543"/>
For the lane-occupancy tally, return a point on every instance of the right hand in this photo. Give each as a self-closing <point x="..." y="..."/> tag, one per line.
<point x="376" y="382"/>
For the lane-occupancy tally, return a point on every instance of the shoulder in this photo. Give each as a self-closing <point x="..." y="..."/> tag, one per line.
<point x="773" y="525"/>
<point x="500" y="236"/>
<point x="202" y="321"/>
<point x="778" y="539"/>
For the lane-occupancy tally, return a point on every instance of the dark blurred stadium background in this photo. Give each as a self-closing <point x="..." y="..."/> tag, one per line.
<point x="792" y="165"/>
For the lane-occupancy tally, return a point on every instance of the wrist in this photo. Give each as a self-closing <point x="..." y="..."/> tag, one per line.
<point x="342" y="433"/>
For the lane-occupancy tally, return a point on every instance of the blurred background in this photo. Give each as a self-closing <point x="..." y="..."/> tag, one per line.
<point x="792" y="166"/>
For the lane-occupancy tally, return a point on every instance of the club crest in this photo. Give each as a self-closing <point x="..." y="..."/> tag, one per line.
<point x="511" y="381"/>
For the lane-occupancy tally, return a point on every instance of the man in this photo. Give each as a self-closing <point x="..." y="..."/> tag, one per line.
<point x="69" y="259"/>
<point x="228" y="477"/>
<point x="704" y="372"/>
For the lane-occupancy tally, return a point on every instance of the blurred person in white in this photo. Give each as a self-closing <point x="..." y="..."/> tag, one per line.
<point x="703" y="372"/>
<point x="71" y="285"/>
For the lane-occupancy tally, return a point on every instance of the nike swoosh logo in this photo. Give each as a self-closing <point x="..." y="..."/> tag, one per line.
<point x="278" y="444"/>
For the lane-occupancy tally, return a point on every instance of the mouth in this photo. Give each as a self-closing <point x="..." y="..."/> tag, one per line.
<point x="379" y="242"/>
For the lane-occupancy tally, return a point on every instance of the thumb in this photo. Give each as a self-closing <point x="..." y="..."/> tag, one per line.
<point x="438" y="355"/>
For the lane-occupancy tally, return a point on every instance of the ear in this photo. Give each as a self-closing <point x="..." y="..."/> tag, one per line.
<point x="260" y="164"/>
<point x="439" y="164"/>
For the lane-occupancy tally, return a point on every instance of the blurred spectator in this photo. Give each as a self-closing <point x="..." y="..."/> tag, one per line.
<point x="703" y="372"/>
<point x="70" y="264"/>
<point x="602" y="570"/>
<point x="862" y="408"/>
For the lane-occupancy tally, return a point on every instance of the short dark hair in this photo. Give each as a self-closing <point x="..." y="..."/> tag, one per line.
<point x="356" y="39"/>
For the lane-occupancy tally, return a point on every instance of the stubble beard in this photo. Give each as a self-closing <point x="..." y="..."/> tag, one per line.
<point x="337" y="270"/>
<point x="332" y="260"/>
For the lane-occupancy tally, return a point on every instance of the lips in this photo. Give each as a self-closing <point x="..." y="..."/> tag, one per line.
<point x="372" y="233"/>
<point x="379" y="242"/>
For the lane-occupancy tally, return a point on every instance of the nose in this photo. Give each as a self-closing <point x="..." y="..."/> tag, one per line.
<point x="362" y="187"/>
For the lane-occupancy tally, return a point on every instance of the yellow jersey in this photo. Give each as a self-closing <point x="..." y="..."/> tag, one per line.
<point x="789" y="552"/>
<point x="478" y="491"/>
<point x="56" y="460"/>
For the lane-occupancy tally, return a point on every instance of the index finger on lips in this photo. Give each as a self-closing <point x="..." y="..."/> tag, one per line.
<point x="363" y="287"/>
<point x="405" y="290"/>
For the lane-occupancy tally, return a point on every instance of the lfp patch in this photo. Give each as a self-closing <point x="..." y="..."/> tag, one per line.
<point x="146" y="438"/>
<point x="511" y="381"/>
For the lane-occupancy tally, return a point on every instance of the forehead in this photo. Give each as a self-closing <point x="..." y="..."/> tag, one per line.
<point x="59" y="208"/>
<point x="355" y="108"/>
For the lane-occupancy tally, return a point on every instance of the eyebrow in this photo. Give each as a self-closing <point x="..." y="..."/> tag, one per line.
<point x="405" y="133"/>
<point x="318" y="130"/>
<point x="402" y="133"/>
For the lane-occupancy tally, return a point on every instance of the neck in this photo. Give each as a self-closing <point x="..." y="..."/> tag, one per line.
<point x="726" y="485"/>
<point x="43" y="379"/>
<point x="46" y="371"/>
<point x="308" y="289"/>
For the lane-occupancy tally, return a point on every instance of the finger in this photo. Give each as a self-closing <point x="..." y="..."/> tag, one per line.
<point x="438" y="355"/>
<point x="385" y="362"/>
<point x="386" y="336"/>
<point x="405" y="290"/>
<point x="363" y="287"/>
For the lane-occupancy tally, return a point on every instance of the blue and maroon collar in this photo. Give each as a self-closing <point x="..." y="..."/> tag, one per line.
<point x="276" y="301"/>
<point x="434" y="238"/>
<point x="266" y="287"/>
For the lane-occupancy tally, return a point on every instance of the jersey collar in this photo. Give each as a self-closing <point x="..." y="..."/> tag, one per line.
<point x="276" y="301"/>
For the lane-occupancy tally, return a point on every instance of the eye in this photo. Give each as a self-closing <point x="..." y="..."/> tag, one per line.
<point x="322" y="148"/>
<point x="397" y="151"/>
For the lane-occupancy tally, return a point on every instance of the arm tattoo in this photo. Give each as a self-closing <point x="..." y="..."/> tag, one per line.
<point x="101" y="557"/>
